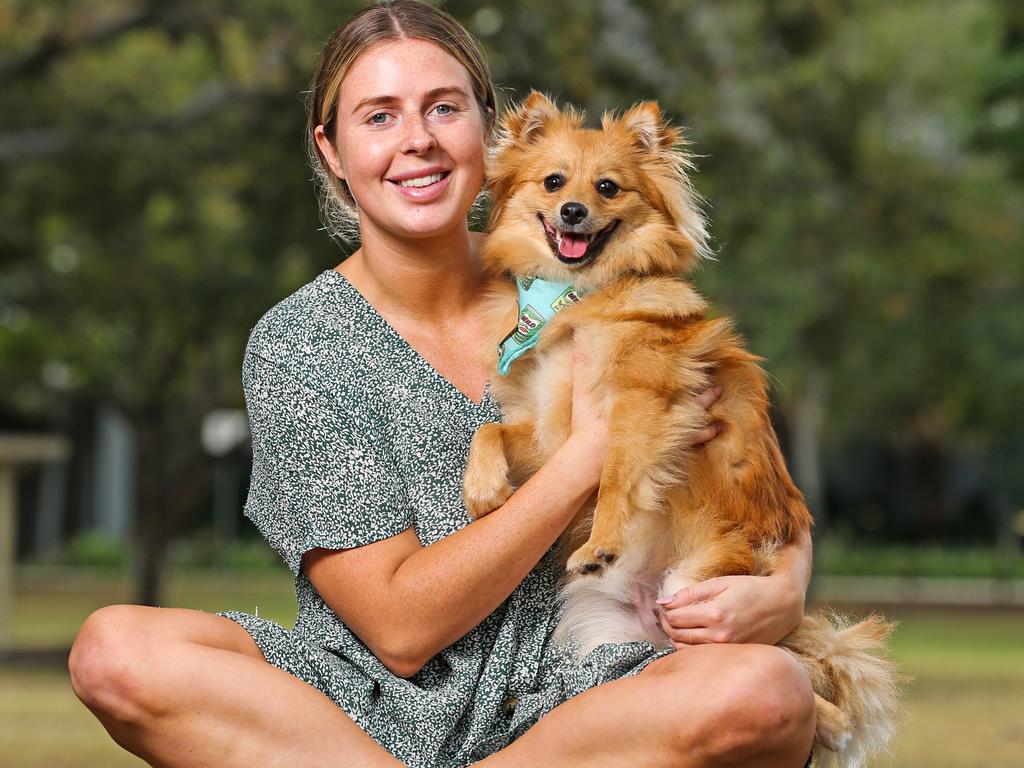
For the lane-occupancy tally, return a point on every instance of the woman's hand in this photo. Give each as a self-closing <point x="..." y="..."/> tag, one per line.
<point x="705" y="400"/>
<point x="742" y="609"/>
<point x="733" y="609"/>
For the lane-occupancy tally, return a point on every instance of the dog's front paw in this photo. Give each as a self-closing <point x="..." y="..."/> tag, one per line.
<point x="484" y="492"/>
<point x="592" y="558"/>
<point x="485" y="485"/>
<point x="483" y="502"/>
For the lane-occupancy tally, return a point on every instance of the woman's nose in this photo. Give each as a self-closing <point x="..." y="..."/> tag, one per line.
<point x="418" y="136"/>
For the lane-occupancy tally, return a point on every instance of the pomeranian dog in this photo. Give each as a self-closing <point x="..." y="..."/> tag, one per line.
<point x="597" y="226"/>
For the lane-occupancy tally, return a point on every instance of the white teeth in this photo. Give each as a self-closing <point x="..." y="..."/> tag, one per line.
<point x="559" y="234"/>
<point x="421" y="181"/>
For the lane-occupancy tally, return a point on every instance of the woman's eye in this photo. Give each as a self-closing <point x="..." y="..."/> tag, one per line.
<point x="379" y="118"/>
<point x="607" y="188"/>
<point x="554" y="182"/>
<point x="444" y="109"/>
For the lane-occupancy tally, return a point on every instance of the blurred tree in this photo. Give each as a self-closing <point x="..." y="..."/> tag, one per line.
<point x="869" y="246"/>
<point x="862" y="159"/>
<point x="997" y="357"/>
<point x="155" y="204"/>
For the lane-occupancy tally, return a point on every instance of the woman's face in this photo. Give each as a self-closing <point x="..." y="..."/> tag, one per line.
<point x="410" y="140"/>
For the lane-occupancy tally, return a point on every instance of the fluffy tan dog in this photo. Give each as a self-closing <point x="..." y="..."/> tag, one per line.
<point x="610" y="215"/>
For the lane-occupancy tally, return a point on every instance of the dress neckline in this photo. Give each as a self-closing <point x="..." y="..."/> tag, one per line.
<point x="340" y="279"/>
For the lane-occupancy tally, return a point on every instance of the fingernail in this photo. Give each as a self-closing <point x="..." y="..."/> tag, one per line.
<point x="663" y="600"/>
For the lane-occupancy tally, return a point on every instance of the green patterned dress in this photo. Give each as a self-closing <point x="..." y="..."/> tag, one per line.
<point x="355" y="438"/>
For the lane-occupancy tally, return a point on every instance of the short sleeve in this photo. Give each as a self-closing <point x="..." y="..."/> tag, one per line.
<point x="320" y="476"/>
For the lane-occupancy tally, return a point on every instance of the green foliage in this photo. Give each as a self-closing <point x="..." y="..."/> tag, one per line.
<point x="861" y="160"/>
<point x="203" y="550"/>
<point x="839" y="557"/>
<point x="95" y="550"/>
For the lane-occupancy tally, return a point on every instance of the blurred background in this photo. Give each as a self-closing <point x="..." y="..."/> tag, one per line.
<point x="863" y="165"/>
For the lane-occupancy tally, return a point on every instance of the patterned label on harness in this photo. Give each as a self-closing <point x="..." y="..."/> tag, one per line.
<point x="545" y="299"/>
<point x="528" y="323"/>
<point x="569" y="296"/>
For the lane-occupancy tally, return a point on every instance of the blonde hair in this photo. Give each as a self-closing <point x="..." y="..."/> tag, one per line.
<point x="382" y="22"/>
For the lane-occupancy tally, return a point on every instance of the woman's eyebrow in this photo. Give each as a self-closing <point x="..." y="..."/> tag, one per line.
<point x="388" y="101"/>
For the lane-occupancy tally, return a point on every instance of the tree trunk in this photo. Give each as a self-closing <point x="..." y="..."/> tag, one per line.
<point x="1007" y="537"/>
<point x="806" y="421"/>
<point x="173" y="475"/>
<point x="807" y="418"/>
<point x="149" y="544"/>
<point x="929" y="487"/>
<point x="151" y="556"/>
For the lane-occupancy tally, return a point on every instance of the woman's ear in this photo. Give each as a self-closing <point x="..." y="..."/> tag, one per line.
<point x="327" y="149"/>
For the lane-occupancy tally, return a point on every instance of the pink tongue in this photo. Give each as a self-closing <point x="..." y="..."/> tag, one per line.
<point x="572" y="247"/>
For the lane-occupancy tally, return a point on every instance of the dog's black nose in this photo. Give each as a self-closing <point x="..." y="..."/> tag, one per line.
<point x="574" y="213"/>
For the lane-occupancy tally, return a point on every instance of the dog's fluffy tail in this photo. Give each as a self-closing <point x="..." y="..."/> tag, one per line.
<point x="856" y="686"/>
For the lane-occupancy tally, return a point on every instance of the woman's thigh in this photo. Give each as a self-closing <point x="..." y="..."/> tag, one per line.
<point x="120" y="649"/>
<point x="185" y="688"/>
<point x="712" y="704"/>
<point x="183" y="624"/>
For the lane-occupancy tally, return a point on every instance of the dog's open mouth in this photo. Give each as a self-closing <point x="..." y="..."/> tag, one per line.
<point x="576" y="248"/>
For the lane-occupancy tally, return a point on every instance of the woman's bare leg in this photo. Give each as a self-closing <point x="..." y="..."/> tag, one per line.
<point x="186" y="688"/>
<point x="180" y="687"/>
<point x="707" y="705"/>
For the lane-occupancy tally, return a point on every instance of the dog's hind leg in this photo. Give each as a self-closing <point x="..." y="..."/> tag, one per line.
<point x="710" y="553"/>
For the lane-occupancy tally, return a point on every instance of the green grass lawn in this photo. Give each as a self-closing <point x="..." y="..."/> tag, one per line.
<point x="52" y="603"/>
<point x="964" y="708"/>
<point x="42" y="723"/>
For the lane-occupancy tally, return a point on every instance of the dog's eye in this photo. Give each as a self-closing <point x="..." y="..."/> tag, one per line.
<point x="554" y="182"/>
<point x="607" y="188"/>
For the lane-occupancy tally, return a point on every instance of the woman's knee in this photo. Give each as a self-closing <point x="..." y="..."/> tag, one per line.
<point x="754" y="700"/>
<point x="109" y="661"/>
<point x="768" y="702"/>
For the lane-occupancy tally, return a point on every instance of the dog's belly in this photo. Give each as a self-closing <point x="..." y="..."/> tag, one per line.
<point x="618" y="606"/>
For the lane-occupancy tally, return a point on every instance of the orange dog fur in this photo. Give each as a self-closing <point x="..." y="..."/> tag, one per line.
<point x="666" y="515"/>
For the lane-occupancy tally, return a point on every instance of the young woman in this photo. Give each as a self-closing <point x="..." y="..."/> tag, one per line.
<point x="423" y="639"/>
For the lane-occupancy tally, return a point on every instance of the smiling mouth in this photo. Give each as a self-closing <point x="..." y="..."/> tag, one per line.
<point x="576" y="249"/>
<point x="422" y="181"/>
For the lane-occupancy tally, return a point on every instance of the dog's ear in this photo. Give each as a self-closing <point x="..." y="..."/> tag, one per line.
<point x="666" y="163"/>
<point x="651" y="132"/>
<point x="526" y="121"/>
<point x="521" y="125"/>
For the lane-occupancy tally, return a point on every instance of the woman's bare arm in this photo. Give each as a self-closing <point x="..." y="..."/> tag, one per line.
<point x="795" y="563"/>
<point x="407" y="602"/>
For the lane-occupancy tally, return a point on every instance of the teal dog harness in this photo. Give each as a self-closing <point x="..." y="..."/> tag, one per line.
<point x="539" y="301"/>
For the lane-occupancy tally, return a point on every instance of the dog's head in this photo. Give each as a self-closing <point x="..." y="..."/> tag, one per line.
<point x="585" y="205"/>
